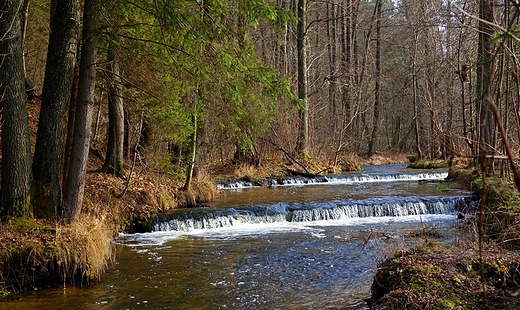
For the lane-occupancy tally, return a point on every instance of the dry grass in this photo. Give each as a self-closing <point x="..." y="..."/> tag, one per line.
<point x="42" y="252"/>
<point x="85" y="248"/>
<point x="383" y="159"/>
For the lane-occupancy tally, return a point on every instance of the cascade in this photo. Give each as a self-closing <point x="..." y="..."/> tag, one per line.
<point x="208" y="218"/>
<point x="343" y="179"/>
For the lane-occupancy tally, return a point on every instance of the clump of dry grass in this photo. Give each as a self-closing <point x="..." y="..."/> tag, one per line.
<point x="35" y="252"/>
<point x="204" y="188"/>
<point x="246" y="171"/>
<point x="84" y="248"/>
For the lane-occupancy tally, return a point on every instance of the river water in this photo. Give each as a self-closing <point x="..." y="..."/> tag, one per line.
<point x="299" y="244"/>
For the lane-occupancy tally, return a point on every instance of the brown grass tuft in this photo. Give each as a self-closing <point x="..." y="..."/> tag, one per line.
<point x="35" y="253"/>
<point x="84" y="248"/>
<point x="204" y="188"/>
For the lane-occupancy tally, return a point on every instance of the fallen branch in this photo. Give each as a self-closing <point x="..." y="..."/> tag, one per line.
<point x="516" y="175"/>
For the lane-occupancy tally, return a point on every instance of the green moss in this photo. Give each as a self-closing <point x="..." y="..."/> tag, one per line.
<point x="448" y="185"/>
<point x="429" y="164"/>
<point x="20" y="206"/>
<point x="125" y="225"/>
<point x="27" y="225"/>
<point x="51" y="250"/>
<point x="445" y="304"/>
<point x="457" y="281"/>
<point x="416" y="286"/>
<point x="143" y="222"/>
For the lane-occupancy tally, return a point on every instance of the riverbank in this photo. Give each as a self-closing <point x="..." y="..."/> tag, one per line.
<point x="479" y="274"/>
<point x="448" y="277"/>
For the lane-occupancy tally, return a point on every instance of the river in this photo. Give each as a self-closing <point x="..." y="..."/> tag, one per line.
<point x="299" y="244"/>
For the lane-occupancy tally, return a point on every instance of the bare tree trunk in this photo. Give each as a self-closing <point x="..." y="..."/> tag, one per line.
<point x="377" y="90"/>
<point x="484" y="73"/>
<point x="56" y="96"/>
<point x="116" y="118"/>
<point x="415" y="103"/>
<point x="75" y="185"/>
<point x="332" y="78"/>
<point x="16" y="174"/>
<point x="191" y="165"/>
<point x="303" y="139"/>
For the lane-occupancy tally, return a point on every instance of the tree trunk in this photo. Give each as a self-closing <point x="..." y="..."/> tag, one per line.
<point x="193" y="155"/>
<point x="377" y="90"/>
<point x="414" y="98"/>
<point x="56" y="95"/>
<point x="484" y="73"/>
<point x="75" y="185"/>
<point x="116" y="118"/>
<point x="303" y="139"/>
<point x="15" y="194"/>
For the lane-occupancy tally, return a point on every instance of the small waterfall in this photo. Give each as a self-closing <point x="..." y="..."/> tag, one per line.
<point x="382" y="207"/>
<point x="208" y="218"/>
<point x="343" y="179"/>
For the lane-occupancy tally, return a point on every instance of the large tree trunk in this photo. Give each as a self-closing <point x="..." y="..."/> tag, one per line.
<point x="75" y="185"/>
<point x="303" y="139"/>
<point x="16" y="157"/>
<point x="484" y="73"/>
<point x="56" y="95"/>
<point x="116" y="118"/>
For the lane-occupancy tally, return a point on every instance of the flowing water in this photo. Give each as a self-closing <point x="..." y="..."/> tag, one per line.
<point x="298" y="244"/>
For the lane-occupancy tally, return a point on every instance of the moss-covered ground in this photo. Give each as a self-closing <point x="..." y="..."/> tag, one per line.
<point x="483" y="273"/>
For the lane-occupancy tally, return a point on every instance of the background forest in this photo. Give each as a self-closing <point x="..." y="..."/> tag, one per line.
<point x="178" y="86"/>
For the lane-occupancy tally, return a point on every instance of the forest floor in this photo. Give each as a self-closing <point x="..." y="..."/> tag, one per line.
<point x="483" y="272"/>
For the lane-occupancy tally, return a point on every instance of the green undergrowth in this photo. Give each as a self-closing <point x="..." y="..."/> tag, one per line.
<point x="500" y="205"/>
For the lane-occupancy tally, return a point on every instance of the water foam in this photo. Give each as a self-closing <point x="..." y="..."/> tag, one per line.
<point x="341" y="179"/>
<point x="282" y="213"/>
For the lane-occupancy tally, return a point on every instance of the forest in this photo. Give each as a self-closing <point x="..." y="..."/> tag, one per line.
<point x="207" y="82"/>
<point x="184" y="88"/>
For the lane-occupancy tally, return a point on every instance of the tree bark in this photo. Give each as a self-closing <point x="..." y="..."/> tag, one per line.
<point x="193" y="155"/>
<point x="116" y="118"/>
<point x="15" y="193"/>
<point x="75" y="185"/>
<point x="303" y="139"/>
<point x="56" y="95"/>
<point x="414" y="98"/>
<point x="484" y="73"/>
<point x="377" y="90"/>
